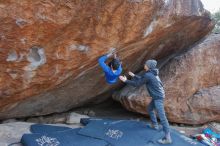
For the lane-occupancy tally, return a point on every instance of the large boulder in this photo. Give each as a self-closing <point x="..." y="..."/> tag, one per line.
<point x="49" y="48"/>
<point x="191" y="82"/>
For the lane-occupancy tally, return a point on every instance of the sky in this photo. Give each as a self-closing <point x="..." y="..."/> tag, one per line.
<point x="211" y="5"/>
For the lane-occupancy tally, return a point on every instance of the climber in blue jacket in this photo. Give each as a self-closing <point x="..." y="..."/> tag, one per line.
<point x="113" y="69"/>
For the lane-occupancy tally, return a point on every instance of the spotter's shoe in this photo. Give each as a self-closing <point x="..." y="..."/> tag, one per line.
<point x="165" y="141"/>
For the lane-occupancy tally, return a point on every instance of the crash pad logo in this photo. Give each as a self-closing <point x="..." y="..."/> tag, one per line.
<point x="47" y="141"/>
<point x="115" y="134"/>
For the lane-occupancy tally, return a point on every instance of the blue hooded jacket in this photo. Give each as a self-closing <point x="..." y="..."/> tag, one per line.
<point x="111" y="77"/>
<point x="152" y="82"/>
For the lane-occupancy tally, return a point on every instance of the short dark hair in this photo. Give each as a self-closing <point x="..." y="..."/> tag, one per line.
<point x="115" y="63"/>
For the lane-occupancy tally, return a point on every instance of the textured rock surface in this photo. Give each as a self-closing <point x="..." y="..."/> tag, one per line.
<point x="205" y="104"/>
<point x="49" y="49"/>
<point x="185" y="78"/>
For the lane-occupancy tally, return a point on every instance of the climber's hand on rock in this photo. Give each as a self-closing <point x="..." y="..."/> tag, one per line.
<point x="115" y="55"/>
<point x="111" y="52"/>
<point x="109" y="55"/>
<point x="123" y="78"/>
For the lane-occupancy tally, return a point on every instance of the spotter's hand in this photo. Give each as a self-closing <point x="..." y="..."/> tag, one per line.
<point x="131" y="74"/>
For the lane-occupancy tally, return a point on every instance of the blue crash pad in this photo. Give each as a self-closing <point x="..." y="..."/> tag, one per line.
<point x="61" y="138"/>
<point x="40" y="128"/>
<point x="85" y="121"/>
<point x="131" y="133"/>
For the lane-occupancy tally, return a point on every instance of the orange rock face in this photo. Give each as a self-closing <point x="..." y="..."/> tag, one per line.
<point x="49" y="48"/>
<point x="191" y="83"/>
